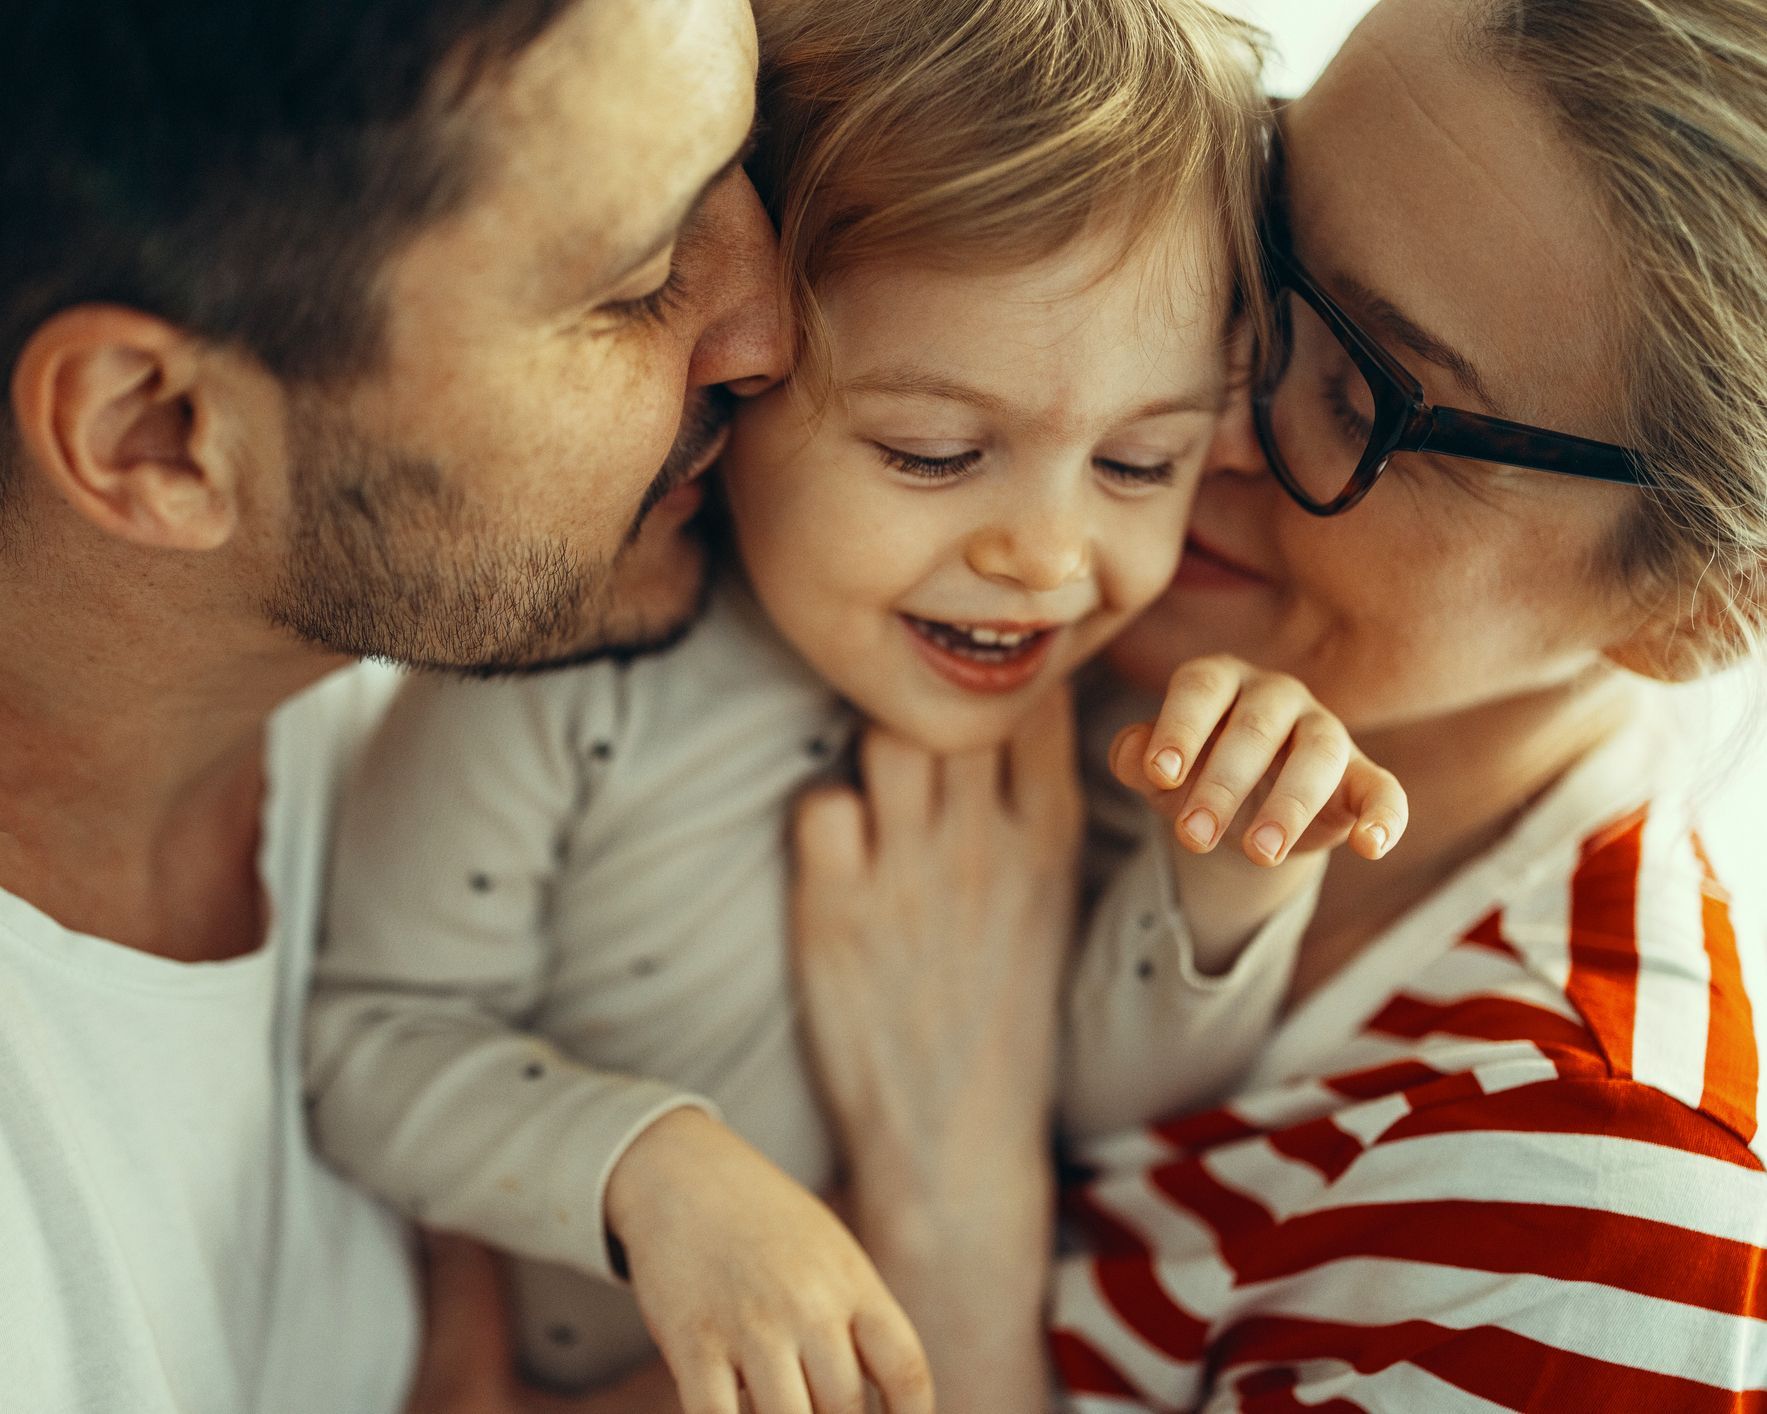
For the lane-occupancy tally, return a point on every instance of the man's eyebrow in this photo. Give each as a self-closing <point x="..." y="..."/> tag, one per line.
<point x="911" y="382"/>
<point x="671" y="233"/>
<point x="1382" y="311"/>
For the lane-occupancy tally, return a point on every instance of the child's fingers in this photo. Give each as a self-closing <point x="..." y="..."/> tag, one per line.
<point x="1249" y="744"/>
<point x="1381" y="807"/>
<point x="1318" y="753"/>
<point x="894" y="1360"/>
<point x="1128" y="760"/>
<point x="1200" y="694"/>
<point x="832" y="1369"/>
<point x="773" y="1376"/>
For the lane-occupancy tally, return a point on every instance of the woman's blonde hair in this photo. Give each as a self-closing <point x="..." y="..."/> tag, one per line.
<point x="1665" y="102"/>
<point x="989" y="134"/>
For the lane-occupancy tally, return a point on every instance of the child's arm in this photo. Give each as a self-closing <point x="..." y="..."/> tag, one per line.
<point x="423" y="1081"/>
<point x="427" y="1087"/>
<point x="1189" y="950"/>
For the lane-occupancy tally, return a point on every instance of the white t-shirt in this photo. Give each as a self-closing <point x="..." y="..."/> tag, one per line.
<point x="169" y="1243"/>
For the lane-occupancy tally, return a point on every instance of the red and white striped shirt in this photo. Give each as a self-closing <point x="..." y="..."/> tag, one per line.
<point x="1508" y="1158"/>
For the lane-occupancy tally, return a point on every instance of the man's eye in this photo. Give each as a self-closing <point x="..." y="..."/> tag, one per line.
<point x="928" y="468"/>
<point x="652" y="308"/>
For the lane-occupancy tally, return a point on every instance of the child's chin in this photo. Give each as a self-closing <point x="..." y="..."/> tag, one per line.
<point x="935" y="727"/>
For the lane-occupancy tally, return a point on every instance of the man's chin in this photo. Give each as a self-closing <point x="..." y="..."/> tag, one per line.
<point x="649" y="606"/>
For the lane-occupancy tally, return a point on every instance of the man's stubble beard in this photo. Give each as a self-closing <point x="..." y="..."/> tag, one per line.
<point x="386" y="559"/>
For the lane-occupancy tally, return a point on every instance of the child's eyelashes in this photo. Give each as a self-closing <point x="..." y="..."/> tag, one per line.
<point x="928" y="468"/>
<point x="1136" y="474"/>
<point x="1129" y="475"/>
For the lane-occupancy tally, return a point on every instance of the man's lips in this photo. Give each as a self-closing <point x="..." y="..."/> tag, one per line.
<point x="1203" y="566"/>
<point x="708" y="457"/>
<point x="687" y="493"/>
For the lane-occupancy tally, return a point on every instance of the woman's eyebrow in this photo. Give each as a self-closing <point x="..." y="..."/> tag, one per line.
<point x="1392" y="320"/>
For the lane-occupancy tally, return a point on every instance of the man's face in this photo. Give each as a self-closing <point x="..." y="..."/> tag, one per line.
<point x="510" y="489"/>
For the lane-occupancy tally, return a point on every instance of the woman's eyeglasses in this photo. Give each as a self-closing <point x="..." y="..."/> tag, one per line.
<point x="1332" y="407"/>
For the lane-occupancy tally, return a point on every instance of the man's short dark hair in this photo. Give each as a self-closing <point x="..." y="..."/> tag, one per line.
<point x="241" y="168"/>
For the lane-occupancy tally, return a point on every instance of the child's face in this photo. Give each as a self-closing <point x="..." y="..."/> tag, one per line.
<point x="999" y="480"/>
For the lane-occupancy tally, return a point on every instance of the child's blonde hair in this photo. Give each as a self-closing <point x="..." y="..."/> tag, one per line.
<point x="990" y="134"/>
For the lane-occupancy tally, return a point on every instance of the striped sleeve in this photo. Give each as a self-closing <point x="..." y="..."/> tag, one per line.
<point x="1478" y="1241"/>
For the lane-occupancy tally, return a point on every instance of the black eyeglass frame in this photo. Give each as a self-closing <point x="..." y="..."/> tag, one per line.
<point x="1403" y="420"/>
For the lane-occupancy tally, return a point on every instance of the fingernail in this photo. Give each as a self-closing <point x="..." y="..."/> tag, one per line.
<point x="1269" y="839"/>
<point x="1377" y="833"/>
<point x="1167" y="764"/>
<point x="1201" y="826"/>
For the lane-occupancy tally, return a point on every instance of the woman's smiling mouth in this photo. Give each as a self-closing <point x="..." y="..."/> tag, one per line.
<point x="983" y="657"/>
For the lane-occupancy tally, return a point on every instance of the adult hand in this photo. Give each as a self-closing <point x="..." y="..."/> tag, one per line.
<point x="467" y="1366"/>
<point x="932" y="917"/>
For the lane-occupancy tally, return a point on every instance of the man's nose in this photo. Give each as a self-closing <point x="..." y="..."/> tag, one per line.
<point x="745" y="344"/>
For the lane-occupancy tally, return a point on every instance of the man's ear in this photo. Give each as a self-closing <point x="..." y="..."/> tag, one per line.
<point x="122" y="414"/>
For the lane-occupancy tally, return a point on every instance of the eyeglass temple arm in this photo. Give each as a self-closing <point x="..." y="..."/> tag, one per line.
<point x="1457" y="433"/>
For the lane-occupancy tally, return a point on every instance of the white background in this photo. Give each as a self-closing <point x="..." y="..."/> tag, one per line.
<point x="1305" y="33"/>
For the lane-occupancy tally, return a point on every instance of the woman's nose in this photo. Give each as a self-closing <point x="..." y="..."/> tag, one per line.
<point x="1039" y="551"/>
<point x="1235" y="448"/>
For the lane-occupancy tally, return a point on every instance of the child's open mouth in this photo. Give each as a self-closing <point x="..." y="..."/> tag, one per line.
<point x="982" y="657"/>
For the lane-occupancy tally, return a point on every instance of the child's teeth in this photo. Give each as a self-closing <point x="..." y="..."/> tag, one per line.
<point x="987" y="636"/>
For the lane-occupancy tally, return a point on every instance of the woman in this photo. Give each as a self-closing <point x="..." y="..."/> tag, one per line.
<point x="1500" y="1149"/>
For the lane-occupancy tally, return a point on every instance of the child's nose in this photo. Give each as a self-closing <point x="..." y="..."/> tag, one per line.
<point x="1038" y="553"/>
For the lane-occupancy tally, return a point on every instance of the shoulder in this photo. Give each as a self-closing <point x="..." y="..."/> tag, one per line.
<point x="1659" y="958"/>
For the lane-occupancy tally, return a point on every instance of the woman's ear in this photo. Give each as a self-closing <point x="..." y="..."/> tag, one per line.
<point x="123" y="415"/>
<point x="1680" y="642"/>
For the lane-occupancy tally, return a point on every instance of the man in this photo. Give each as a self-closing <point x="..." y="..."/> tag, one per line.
<point x="395" y="329"/>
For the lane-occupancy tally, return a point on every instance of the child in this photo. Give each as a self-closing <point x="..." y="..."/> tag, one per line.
<point x="556" y="989"/>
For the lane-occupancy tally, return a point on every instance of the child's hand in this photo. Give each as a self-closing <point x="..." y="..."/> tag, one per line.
<point x="1225" y="728"/>
<point x="748" y="1282"/>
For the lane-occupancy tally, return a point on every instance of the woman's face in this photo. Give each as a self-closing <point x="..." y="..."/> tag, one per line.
<point x="1438" y="206"/>
<point x="997" y="481"/>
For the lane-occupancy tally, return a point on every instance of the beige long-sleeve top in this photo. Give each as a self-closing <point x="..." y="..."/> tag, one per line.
<point x="559" y="911"/>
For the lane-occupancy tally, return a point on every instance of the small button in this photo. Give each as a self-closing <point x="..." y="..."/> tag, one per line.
<point x="533" y="1071"/>
<point x="818" y="747"/>
<point x="561" y="1335"/>
<point x="647" y="966"/>
<point x="602" y="750"/>
<point x="1144" y="969"/>
<point x="1147" y="921"/>
<point x="481" y="883"/>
